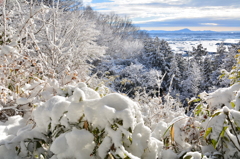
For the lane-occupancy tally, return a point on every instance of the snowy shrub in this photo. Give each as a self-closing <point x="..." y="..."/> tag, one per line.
<point x="41" y="48"/>
<point x="73" y="127"/>
<point x="234" y="73"/>
<point x="130" y="77"/>
<point x="219" y="114"/>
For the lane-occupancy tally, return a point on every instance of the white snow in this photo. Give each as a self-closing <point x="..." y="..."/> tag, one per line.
<point x="23" y="101"/>
<point x="194" y="155"/>
<point x="169" y="154"/>
<point x="73" y="144"/>
<point x="187" y="46"/>
<point x="221" y="97"/>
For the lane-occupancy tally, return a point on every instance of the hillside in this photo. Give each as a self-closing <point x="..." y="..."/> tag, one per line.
<point x="76" y="83"/>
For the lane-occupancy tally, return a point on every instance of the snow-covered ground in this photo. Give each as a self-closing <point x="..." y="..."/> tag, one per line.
<point x="210" y="45"/>
<point x="183" y="42"/>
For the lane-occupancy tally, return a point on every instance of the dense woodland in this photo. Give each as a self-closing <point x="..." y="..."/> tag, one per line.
<point x="76" y="83"/>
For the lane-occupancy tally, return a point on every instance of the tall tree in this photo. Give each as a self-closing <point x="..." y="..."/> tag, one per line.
<point x="198" y="53"/>
<point x="174" y="75"/>
<point x="191" y="85"/>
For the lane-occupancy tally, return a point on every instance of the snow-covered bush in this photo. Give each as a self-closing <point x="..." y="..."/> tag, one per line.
<point x="129" y="76"/>
<point x="82" y="125"/>
<point x="45" y="53"/>
<point x="40" y="49"/>
<point x="234" y="60"/>
<point x="219" y="114"/>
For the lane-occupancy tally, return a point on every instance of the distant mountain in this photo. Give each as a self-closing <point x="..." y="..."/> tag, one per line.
<point x="186" y="30"/>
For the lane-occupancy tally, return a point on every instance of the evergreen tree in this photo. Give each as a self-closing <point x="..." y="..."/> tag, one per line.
<point x="229" y="60"/>
<point x="198" y="53"/>
<point x="191" y="85"/>
<point x="221" y="53"/>
<point x="207" y="69"/>
<point x="215" y="66"/>
<point x="174" y="75"/>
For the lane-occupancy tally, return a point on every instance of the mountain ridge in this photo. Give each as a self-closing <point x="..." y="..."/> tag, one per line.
<point x="185" y="30"/>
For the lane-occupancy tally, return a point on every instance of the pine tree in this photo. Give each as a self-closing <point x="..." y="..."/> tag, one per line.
<point x="229" y="60"/>
<point x="221" y="53"/>
<point x="215" y="66"/>
<point x="191" y="85"/>
<point x="207" y="69"/>
<point x="174" y="75"/>
<point x="198" y="53"/>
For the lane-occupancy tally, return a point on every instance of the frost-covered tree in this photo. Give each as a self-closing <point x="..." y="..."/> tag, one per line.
<point x="198" y="53"/>
<point x="220" y="55"/>
<point x="191" y="85"/>
<point x="174" y="75"/>
<point x="234" y="73"/>
<point x="229" y="59"/>
<point x="42" y="48"/>
<point x="157" y="54"/>
<point x="121" y="38"/>
<point x="209" y="76"/>
<point x="66" y="5"/>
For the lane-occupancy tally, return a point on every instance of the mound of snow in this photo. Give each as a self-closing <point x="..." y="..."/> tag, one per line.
<point x="81" y="124"/>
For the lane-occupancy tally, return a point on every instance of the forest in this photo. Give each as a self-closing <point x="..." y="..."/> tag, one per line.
<point x="76" y="83"/>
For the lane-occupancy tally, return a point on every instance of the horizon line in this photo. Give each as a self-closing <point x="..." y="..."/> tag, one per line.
<point x="215" y="29"/>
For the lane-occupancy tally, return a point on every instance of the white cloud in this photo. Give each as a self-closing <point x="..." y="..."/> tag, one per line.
<point x="157" y="10"/>
<point x="212" y="24"/>
<point x="87" y="2"/>
<point x="171" y="2"/>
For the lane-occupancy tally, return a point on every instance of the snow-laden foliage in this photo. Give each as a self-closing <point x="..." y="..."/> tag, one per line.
<point x="234" y="73"/>
<point x="182" y="77"/>
<point x="130" y="77"/>
<point x="47" y="112"/>
<point x="42" y="48"/>
<point x="81" y="124"/>
<point x="118" y="34"/>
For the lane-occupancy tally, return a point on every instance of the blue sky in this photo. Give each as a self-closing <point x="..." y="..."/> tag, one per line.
<point x="217" y="15"/>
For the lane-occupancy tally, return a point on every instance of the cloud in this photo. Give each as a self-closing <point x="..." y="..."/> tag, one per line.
<point x="171" y="2"/>
<point x="153" y="11"/>
<point x="208" y="24"/>
<point x="87" y="2"/>
<point x="194" y="22"/>
<point x="200" y="3"/>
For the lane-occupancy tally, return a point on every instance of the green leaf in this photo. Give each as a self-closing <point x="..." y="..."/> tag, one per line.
<point x="126" y="157"/>
<point x="198" y="109"/>
<point x="194" y="101"/>
<point x="223" y="131"/>
<point x="232" y="104"/>
<point x="96" y="131"/>
<point x="130" y="139"/>
<point x="207" y="132"/>
<point x="221" y="76"/>
<point x="49" y="126"/>
<point x="187" y="157"/>
<point x="216" y="114"/>
<point x="225" y="138"/>
<point x="214" y="143"/>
